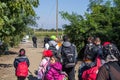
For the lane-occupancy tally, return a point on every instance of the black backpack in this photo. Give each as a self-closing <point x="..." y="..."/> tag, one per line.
<point x="98" y="51"/>
<point x="89" y="48"/>
<point x="111" y="49"/>
<point x="68" y="56"/>
<point x="53" y="49"/>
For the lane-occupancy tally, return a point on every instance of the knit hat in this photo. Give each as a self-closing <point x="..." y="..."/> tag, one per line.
<point x="111" y="49"/>
<point x="53" y="37"/>
<point x="47" y="53"/>
<point x="106" y="43"/>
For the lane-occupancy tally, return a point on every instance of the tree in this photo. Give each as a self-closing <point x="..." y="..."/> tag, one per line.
<point x="102" y="19"/>
<point x="15" y="17"/>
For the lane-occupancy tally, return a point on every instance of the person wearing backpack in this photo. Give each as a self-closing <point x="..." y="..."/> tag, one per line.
<point x="111" y="69"/>
<point x="88" y="49"/>
<point x="52" y="45"/>
<point x="90" y="62"/>
<point x="69" y="56"/>
<point x="21" y="64"/>
<point x="98" y="48"/>
<point x="89" y="67"/>
<point x="92" y="69"/>
<point x="89" y="45"/>
<point x="44" y="64"/>
<point x="87" y="63"/>
<point x="55" y="70"/>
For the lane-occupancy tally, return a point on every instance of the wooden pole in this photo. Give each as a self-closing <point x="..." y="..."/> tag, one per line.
<point x="57" y="18"/>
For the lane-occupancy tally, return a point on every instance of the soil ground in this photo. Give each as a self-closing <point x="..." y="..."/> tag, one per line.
<point x="7" y="71"/>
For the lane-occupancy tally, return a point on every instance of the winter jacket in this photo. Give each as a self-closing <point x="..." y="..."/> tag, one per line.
<point x="54" y="72"/>
<point x="21" y="59"/>
<point x="34" y="39"/>
<point x="112" y="72"/>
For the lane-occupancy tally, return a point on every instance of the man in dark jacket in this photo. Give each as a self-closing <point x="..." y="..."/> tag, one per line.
<point x="69" y="70"/>
<point x="46" y="40"/>
<point x="34" y="39"/>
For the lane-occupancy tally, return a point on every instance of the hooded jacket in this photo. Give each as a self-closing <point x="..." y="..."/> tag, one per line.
<point x="54" y="72"/>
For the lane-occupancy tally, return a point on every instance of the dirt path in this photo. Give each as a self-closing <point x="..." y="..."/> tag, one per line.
<point x="7" y="71"/>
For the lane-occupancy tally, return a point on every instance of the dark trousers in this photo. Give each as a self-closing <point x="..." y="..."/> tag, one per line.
<point x="21" y="78"/>
<point x="44" y="44"/>
<point x="70" y="72"/>
<point x="35" y="44"/>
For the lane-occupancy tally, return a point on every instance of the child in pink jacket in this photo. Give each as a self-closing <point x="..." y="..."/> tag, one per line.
<point x="55" y="69"/>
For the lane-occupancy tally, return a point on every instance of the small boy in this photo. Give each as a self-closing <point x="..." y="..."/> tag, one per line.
<point x="21" y="64"/>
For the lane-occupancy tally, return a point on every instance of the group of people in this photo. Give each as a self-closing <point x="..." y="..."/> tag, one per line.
<point x="100" y="62"/>
<point x="59" y="59"/>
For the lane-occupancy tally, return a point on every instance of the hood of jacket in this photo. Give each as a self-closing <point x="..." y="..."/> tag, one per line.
<point x="52" y="43"/>
<point x="66" y="44"/>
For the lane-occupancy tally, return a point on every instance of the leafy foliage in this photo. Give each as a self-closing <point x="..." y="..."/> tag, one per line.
<point x="15" y="16"/>
<point x="102" y="19"/>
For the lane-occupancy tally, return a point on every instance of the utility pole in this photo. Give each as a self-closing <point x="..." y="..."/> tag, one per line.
<point x="57" y="18"/>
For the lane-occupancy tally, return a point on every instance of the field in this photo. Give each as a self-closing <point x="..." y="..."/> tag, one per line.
<point x="41" y="34"/>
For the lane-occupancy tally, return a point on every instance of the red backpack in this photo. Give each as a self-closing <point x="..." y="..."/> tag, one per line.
<point x="22" y="69"/>
<point x="91" y="73"/>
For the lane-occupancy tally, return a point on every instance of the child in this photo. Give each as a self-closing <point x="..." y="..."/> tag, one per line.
<point x="44" y="63"/>
<point x="21" y="64"/>
<point x="55" y="70"/>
